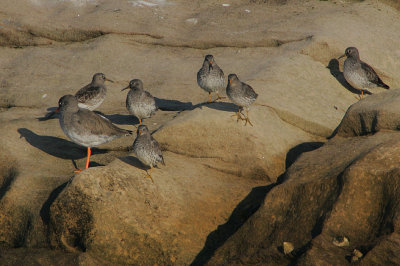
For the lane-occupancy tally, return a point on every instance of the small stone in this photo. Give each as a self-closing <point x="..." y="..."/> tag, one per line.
<point x="287" y="247"/>
<point x="341" y="241"/>
<point x="357" y="253"/>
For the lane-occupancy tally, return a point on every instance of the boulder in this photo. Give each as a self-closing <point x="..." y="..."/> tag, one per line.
<point x="347" y="188"/>
<point x="118" y="215"/>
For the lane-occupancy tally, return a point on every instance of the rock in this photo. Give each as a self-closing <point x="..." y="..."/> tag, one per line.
<point x="347" y="187"/>
<point x="372" y="114"/>
<point x="118" y="215"/>
<point x="287" y="247"/>
<point x="341" y="241"/>
<point x="203" y="133"/>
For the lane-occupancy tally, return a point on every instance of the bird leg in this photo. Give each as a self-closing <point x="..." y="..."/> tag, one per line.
<point x="219" y="97"/>
<point x="149" y="174"/>
<point x="362" y="94"/>
<point x="89" y="152"/>
<point x="239" y="115"/>
<point x="209" y="97"/>
<point x="140" y="121"/>
<point x="247" y="118"/>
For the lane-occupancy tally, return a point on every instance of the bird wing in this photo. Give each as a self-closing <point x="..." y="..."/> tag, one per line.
<point x="98" y="125"/>
<point x="371" y="74"/>
<point x="249" y="92"/>
<point x="86" y="93"/>
<point x="157" y="150"/>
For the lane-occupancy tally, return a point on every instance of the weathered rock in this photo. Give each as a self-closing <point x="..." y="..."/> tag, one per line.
<point x="211" y="132"/>
<point x="347" y="187"/>
<point x="117" y="214"/>
<point x="372" y="114"/>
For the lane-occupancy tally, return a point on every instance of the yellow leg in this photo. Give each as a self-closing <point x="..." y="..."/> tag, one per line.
<point x="149" y="174"/>
<point x="247" y="118"/>
<point x="238" y="115"/>
<point x="219" y="97"/>
<point x="140" y="121"/>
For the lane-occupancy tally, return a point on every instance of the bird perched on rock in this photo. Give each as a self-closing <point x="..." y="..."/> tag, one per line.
<point x="242" y="95"/>
<point x="359" y="74"/>
<point x="85" y="127"/>
<point x="147" y="149"/>
<point x="139" y="102"/>
<point x="92" y="95"/>
<point x="210" y="77"/>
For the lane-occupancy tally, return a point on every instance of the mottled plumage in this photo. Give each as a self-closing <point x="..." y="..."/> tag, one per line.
<point x="147" y="149"/>
<point x="85" y="127"/>
<point x="139" y="102"/>
<point x="92" y="95"/>
<point x="359" y="74"/>
<point x="210" y="77"/>
<point x="240" y="94"/>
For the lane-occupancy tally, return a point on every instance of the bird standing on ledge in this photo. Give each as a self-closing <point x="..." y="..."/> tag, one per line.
<point x="359" y="74"/>
<point x="210" y="77"/>
<point x="85" y="127"/>
<point x="139" y="102"/>
<point x="147" y="149"/>
<point x="92" y="95"/>
<point x="242" y="95"/>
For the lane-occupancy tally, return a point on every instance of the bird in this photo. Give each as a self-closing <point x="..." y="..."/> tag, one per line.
<point x="139" y="102"/>
<point x="359" y="74"/>
<point x="147" y="149"/>
<point x="210" y="77"/>
<point x="85" y="127"/>
<point x="240" y="94"/>
<point x="92" y="95"/>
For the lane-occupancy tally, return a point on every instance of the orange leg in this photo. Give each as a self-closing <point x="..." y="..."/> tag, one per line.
<point x="89" y="152"/>
<point x="140" y="121"/>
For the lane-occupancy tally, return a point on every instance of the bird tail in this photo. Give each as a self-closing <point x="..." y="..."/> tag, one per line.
<point x="383" y="85"/>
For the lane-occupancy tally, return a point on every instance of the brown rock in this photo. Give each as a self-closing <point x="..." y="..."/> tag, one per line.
<point x="372" y="114"/>
<point x="117" y="214"/>
<point x="347" y="187"/>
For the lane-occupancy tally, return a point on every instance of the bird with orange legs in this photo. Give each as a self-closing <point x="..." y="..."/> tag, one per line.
<point x="85" y="127"/>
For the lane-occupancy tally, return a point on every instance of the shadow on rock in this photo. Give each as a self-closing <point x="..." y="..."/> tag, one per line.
<point x="333" y="66"/>
<point x="223" y="106"/>
<point x="123" y="119"/>
<point x="296" y="151"/>
<point x="246" y="208"/>
<point x="173" y="105"/>
<point x="57" y="147"/>
<point x="131" y="160"/>
<point x="45" y="210"/>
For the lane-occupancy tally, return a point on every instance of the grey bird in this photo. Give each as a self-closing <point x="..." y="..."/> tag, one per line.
<point x="210" y="77"/>
<point x="139" y="102"/>
<point x="85" y="127"/>
<point x="147" y="149"/>
<point x="359" y="74"/>
<point x="242" y="95"/>
<point x="92" y="95"/>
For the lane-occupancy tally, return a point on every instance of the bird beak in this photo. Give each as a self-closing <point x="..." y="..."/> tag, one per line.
<point x="57" y="110"/>
<point x="125" y="88"/>
<point x="109" y="80"/>
<point x="343" y="55"/>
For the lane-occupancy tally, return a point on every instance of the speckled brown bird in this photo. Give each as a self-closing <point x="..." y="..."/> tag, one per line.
<point x="147" y="149"/>
<point x="139" y="102"/>
<point x="85" y="127"/>
<point x="210" y="77"/>
<point x="92" y="95"/>
<point x="242" y="95"/>
<point x="359" y="74"/>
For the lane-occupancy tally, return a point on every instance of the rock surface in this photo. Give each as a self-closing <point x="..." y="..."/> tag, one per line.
<point x="218" y="171"/>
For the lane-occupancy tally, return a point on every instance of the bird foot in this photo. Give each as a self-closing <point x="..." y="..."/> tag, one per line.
<point x="239" y="116"/>
<point x="78" y="171"/>
<point x="247" y="121"/>
<point x="220" y="98"/>
<point x="149" y="176"/>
